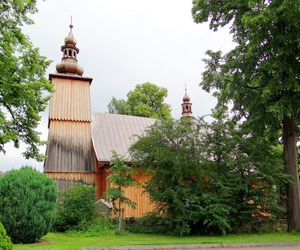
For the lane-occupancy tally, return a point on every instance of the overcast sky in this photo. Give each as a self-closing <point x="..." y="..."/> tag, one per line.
<point x="124" y="43"/>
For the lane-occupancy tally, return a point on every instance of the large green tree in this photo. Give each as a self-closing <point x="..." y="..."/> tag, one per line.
<point x="260" y="76"/>
<point x="23" y="87"/>
<point x="146" y="100"/>
<point x="210" y="178"/>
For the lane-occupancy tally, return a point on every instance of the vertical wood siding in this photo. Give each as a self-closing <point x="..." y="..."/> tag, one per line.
<point x="140" y="197"/>
<point x="71" y="100"/>
<point x="86" y="178"/>
<point x="69" y="148"/>
<point x="136" y="194"/>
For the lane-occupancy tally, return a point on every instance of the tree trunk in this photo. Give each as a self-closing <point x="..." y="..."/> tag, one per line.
<point x="290" y="137"/>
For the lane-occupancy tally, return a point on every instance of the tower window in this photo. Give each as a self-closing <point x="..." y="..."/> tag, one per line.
<point x="70" y="52"/>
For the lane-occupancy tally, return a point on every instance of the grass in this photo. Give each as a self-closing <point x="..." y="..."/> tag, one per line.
<point x="60" y="241"/>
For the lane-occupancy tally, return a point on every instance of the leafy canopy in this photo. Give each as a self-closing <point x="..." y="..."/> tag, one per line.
<point x="203" y="175"/>
<point x="23" y="87"/>
<point x="260" y="76"/>
<point x="146" y="100"/>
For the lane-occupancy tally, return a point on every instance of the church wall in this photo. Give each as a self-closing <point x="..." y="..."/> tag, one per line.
<point x="140" y="197"/>
<point x="71" y="100"/>
<point x="69" y="148"/>
<point x="136" y="194"/>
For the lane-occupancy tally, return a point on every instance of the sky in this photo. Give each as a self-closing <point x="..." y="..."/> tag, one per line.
<point x="124" y="43"/>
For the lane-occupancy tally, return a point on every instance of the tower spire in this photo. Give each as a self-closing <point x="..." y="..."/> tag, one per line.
<point x="69" y="63"/>
<point x="186" y="105"/>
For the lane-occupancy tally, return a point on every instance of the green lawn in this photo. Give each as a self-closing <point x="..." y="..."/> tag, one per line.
<point x="57" y="241"/>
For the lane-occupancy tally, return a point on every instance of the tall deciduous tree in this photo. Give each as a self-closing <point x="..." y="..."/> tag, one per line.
<point x="23" y="87"/>
<point x="261" y="74"/>
<point x="146" y="100"/>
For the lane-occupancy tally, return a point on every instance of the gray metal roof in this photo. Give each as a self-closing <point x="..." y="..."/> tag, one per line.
<point x="113" y="132"/>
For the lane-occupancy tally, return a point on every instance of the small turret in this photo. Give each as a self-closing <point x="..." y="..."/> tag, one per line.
<point x="186" y="106"/>
<point x="69" y="64"/>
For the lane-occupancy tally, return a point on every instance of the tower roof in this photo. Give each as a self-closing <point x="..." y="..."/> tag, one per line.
<point x="69" y="63"/>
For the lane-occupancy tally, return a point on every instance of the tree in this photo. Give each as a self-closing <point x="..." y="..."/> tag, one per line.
<point x="247" y="166"/>
<point x="23" y="87"/>
<point x="260" y="76"/>
<point x="146" y="100"/>
<point x="120" y="177"/>
<point x="27" y="204"/>
<point x="117" y="106"/>
<point x="180" y="186"/>
<point x="210" y="178"/>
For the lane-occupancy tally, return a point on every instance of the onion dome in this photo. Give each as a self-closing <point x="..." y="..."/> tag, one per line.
<point x="69" y="64"/>
<point x="186" y="98"/>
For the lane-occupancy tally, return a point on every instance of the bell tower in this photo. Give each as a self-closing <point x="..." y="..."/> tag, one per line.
<point x="186" y="106"/>
<point x="69" y="150"/>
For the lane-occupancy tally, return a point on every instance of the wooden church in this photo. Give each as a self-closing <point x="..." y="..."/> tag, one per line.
<point x="81" y="142"/>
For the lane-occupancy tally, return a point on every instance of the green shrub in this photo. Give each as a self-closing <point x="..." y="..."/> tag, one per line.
<point x="149" y="223"/>
<point x="75" y="208"/>
<point x="27" y="204"/>
<point x="5" y="242"/>
<point x="99" y="226"/>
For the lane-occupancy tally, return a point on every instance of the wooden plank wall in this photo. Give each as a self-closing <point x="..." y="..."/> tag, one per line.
<point x="69" y="148"/>
<point x="136" y="194"/>
<point x="87" y="178"/>
<point x="62" y="185"/>
<point x="70" y="144"/>
<point x="71" y="100"/>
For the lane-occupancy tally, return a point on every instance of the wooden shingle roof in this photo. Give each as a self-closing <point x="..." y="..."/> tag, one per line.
<point x="114" y="132"/>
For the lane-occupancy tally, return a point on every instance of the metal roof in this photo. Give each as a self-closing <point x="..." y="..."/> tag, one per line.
<point x="114" y="132"/>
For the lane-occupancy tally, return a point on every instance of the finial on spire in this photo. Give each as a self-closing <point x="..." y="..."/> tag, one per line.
<point x="71" y="25"/>
<point x="185" y="90"/>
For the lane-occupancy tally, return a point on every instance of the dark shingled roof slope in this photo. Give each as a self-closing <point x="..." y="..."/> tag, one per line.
<point x="114" y="132"/>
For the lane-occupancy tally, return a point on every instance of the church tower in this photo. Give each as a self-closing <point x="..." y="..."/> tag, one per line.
<point x="69" y="151"/>
<point x="186" y="106"/>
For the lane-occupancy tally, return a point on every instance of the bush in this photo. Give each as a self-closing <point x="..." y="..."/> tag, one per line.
<point x="27" y="204"/>
<point x="5" y="242"/>
<point x="149" y="223"/>
<point x="75" y="208"/>
<point x="99" y="226"/>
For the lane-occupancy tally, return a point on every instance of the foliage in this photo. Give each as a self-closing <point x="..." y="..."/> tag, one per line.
<point x="5" y="242"/>
<point x="117" y="106"/>
<point x="27" y="204"/>
<point x="150" y="223"/>
<point x="173" y="151"/>
<point x="206" y="175"/>
<point x="75" y="208"/>
<point x="248" y="169"/>
<point x="22" y="82"/>
<point x="146" y="100"/>
<point x="260" y="76"/>
<point x="120" y="177"/>
<point x="98" y="226"/>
